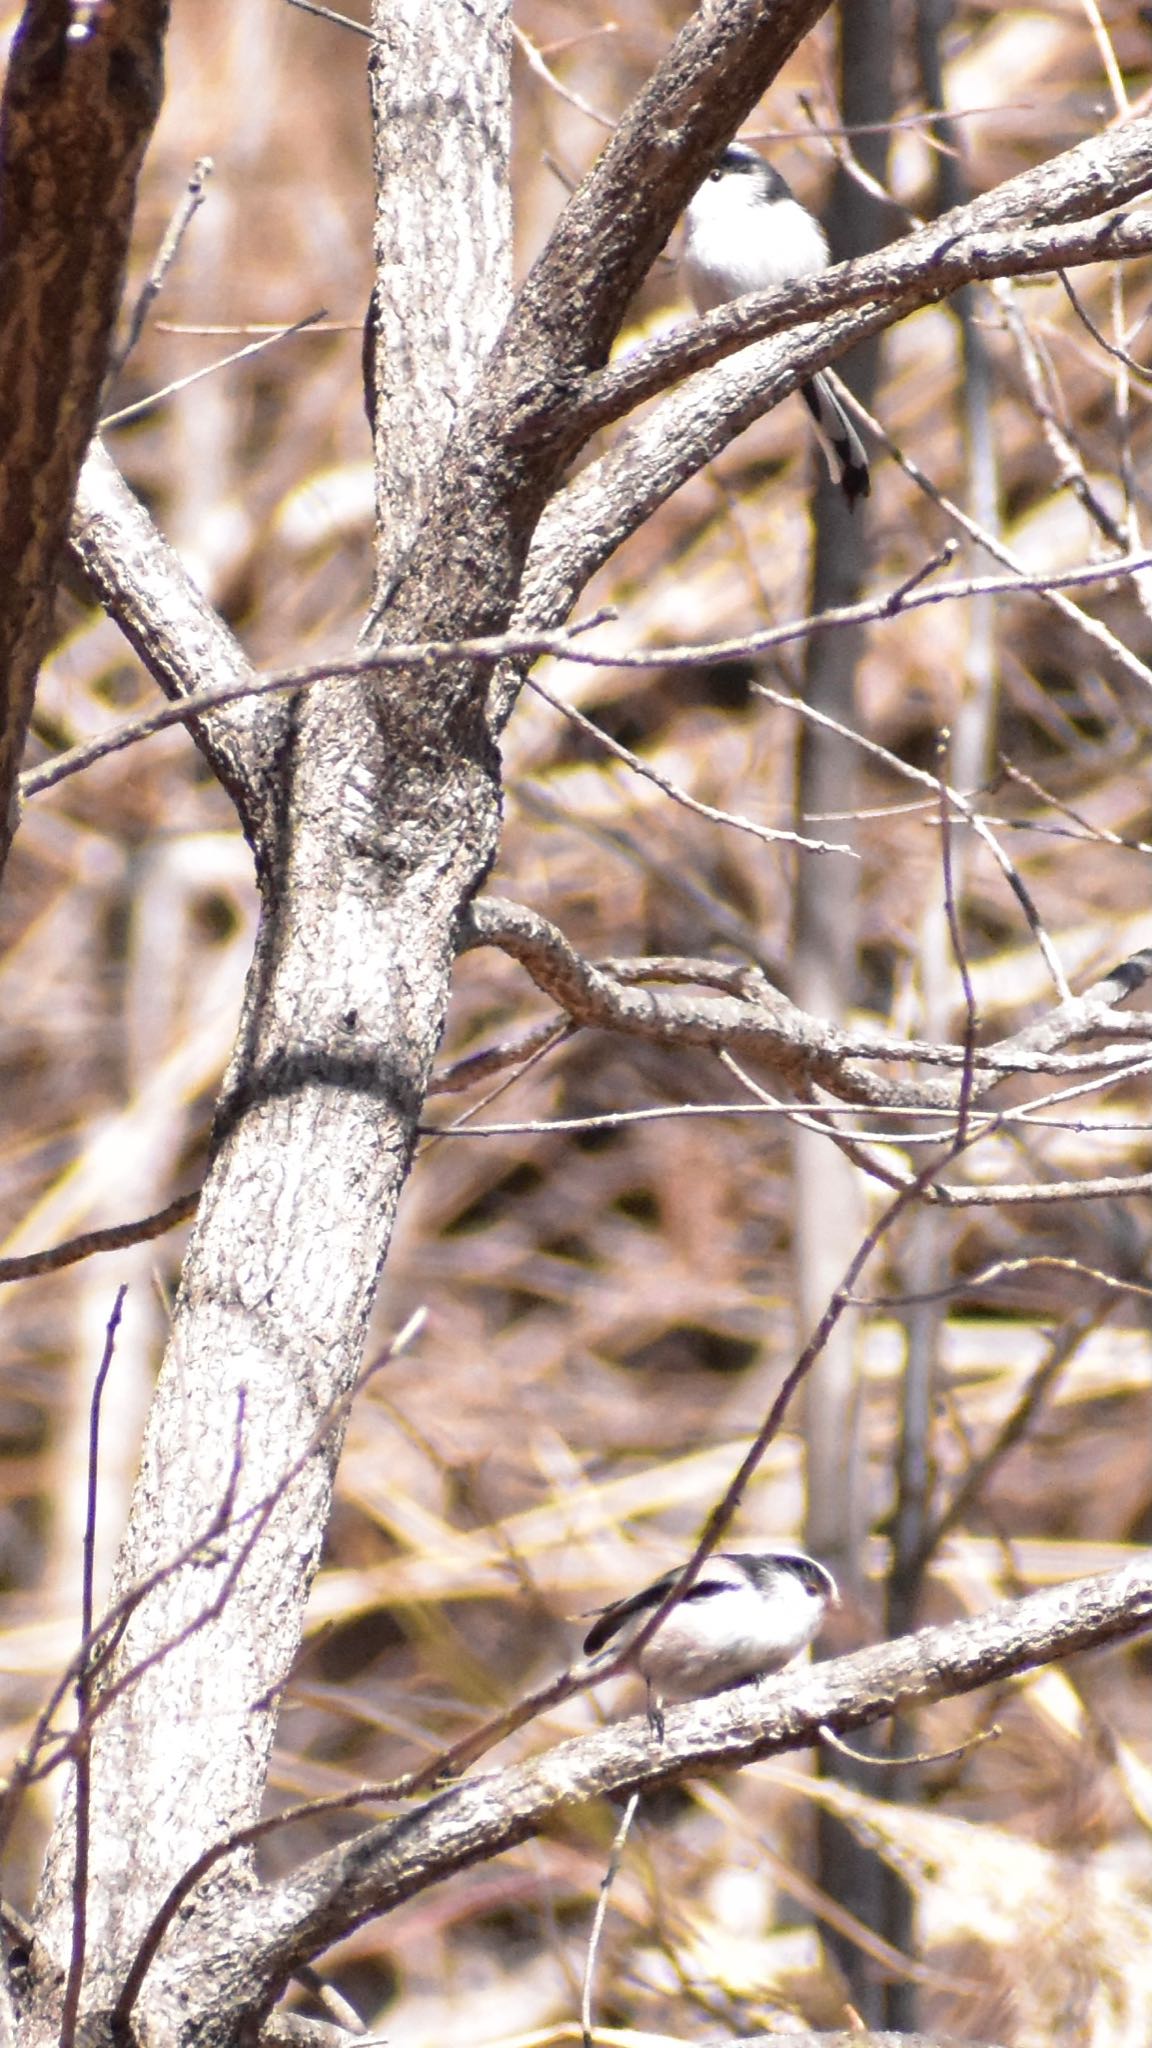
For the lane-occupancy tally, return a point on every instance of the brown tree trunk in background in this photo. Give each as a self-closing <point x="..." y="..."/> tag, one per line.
<point x="77" y="113"/>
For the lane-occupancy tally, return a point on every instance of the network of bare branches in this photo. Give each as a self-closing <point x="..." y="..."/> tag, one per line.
<point x="724" y="919"/>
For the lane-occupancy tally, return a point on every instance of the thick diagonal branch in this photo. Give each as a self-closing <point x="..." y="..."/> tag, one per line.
<point x="478" y="1819"/>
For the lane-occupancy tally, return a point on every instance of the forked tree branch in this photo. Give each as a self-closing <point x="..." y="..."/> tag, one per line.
<point x="594" y="514"/>
<point x="757" y="1018"/>
<point x="387" y="800"/>
<point x="984" y="239"/>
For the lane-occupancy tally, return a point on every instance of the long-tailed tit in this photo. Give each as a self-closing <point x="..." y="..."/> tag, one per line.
<point x="747" y="233"/>
<point x="746" y="1614"/>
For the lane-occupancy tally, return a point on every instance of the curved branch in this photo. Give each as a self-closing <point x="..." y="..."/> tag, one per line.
<point x="995" y="234"/>
<point x="511" y="445"/>
<point x="917" y="271"/>
<point x="754" y="1017"/>
<point x="801" y="1048"/>
<point x="594" y="514"/>
<point x="616" y="223"/>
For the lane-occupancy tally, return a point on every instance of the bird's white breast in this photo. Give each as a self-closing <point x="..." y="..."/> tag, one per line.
<point x="708" y="1644"/>
<point x="738" y="243"/>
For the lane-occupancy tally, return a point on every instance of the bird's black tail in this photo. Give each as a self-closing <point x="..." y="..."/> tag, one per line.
<point x="841" y="443"/>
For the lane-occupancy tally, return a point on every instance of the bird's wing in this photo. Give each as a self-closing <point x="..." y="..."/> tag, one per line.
<point x="612" y="1619"/>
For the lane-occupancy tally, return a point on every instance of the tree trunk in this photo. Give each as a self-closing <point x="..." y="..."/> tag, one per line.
<point x="375" y="815"/>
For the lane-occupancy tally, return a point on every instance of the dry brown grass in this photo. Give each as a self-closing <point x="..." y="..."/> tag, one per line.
<point x="609" y="1312"/>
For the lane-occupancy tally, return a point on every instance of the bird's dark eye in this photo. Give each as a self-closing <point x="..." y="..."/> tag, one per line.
<point x="714" y="177"/>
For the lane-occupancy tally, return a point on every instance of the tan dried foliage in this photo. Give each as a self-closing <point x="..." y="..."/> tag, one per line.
<point x="610" y="1311"/>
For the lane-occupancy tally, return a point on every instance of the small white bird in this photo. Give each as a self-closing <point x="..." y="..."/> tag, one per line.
<point x="747" y="232"/>
<point x="748" y="1613"/>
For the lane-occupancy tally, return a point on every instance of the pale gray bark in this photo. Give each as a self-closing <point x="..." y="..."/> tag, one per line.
<point x="181" y="640"/>
<point x="373" y="808"/>
<point x="443" y="240"/>
<point x="372" y="823"/>
<point x="374" y="812"/>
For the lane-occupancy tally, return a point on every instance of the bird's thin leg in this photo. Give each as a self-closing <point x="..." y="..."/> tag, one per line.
<point x="655" y="1709"/>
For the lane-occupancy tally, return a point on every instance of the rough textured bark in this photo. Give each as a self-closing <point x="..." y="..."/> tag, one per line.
<point x="377" y="823"/>
<point x="591" y="517"/>
<point x="373" y="808"/>
<point x="443" y="243"/>
<point x="182" y="642"/>
<point x="80" y="101"/>
<point x="522" y="427"/>
<point x="381" y="821"/>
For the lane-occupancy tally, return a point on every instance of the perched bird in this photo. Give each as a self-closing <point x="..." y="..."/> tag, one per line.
<point x="747" y="1613"/>
<point x="747" y="232"/>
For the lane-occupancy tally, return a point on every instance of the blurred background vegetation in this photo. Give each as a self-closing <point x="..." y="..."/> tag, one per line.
<point x="610" y="1309"/>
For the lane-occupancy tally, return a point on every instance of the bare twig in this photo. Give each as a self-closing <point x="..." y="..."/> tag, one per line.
<point x="470" y="1822"/>
<point x="1091" y="628"/>
<point x="559" y="1031"/>
<point x="768" y="834"/>
<point x="1108" y="58"/>
<point x="359" y="28"/>
<point x="70" y="2004"/>
<point x="178" y="227"/>
<point x="95" y="1653"/>
<point x="254" y="348"/>
<point x="115" y="1238"/>
<point x="1110" y="348"/>
<point x="1009" y="1269"/>
<point x="845" y="1693"/>
<point x="1038" y="378"/>
<point x="961" y="803"/>
<point x="535" y="61"/>
<point x="477" y="1066"/>
<point x="721" y="1515"/>
<point x="615" y="1857"/>
<point x="1100" y="834"/>
<point x="868" y="294"/>
<point x="492" y="650"/>
<point x="257" y="1517"/>
<point x="1061" y="1350"/>
<point x="873" y="1762"/>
